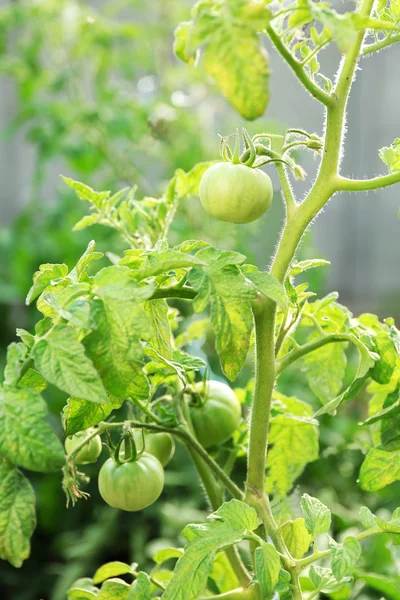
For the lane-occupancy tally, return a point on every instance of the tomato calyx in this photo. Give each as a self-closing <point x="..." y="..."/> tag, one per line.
<point x="130" y="453"/>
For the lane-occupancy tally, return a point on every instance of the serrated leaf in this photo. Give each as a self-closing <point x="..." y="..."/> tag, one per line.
<point x="164" y="261"/>
<point x="83" y="588"/>
<point x="84" y="192"/>
<point x="296" y="537"/>
<point x="305" y="265"/>
<point x="223" y="287"/>
<point x="43" y="278"/>
<point x="324" y="580"/>
<point x="294" y="443"/>
<point x="268" y="285"/>
<point x="367" y="518"/>
<point x="234" y="55"/>
<point x="240" y="67"/>
<point x="25" y="438"/>
<point x="317" y="516"/>
<point x="79" y="271"/>
<point x="61" y="359"/>
<point x="267" y="568"/>
<point x="116" y="349"/>
<point x="389" y="585"/>
<point x="110" y="569"/>
<point x="188" y="184"/>
<point x="17" y="514"/>
<point x="227" y="527"/>
<point x="80" y="414"/>
<point x="325" y="370"/>
<point x="157" y="313"/>
<point x="117" y="283"/>
<point x="379" y="469"/>
<point x="87" y="221"/>
<point x="344" y="557"/>
<point x="114" y="589"/>
<point x="166" y="554"/>
<point x="141" y="589"/>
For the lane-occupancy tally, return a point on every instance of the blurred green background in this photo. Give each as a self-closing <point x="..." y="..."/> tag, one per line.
<point x="94" y="91"/>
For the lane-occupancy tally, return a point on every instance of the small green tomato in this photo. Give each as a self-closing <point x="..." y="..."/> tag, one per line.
<point x="90" y="452"/>
<point x="235" y="193"/>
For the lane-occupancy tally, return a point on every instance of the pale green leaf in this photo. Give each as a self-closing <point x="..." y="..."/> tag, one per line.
<point x="296" y="537"/>
<point x="80" y="414"/>
<point x="379" y="469"/>
<point x="267" y="568"/>
<point x="344" y="557"/>
<point x="17" y="514"/>
<point x="317" y="516"/>
<point x="62" y="361"/>
<point x="110" y="569"/>
<point x="25" y="438"/>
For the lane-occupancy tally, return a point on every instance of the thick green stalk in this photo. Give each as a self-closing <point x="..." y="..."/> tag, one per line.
<point x="264" y="316"/>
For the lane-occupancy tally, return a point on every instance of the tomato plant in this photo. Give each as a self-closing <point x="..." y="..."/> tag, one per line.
<point x="111" y="340"/>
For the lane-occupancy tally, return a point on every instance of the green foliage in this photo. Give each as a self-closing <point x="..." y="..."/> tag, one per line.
<point x="118" y="330"/>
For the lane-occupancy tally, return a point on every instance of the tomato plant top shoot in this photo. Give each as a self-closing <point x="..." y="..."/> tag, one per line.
<point x="109" y="341"/>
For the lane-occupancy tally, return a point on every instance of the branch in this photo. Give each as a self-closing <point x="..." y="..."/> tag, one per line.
<point x="189" y="440"/>
<point x="287" y="191"/>
<point x="304" y="562"/>
<point x="362" y="185"/>
<point x="184" y="293"/>
<point x="375" y="47"/>
<point x="294" y="355"/>
<point x="297" y="68"/>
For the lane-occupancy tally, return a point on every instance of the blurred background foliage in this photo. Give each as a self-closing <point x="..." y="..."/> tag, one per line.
<point x="102" y="99"/>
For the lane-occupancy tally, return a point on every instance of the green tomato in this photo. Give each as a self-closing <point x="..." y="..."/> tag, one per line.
<point x="161" y="445"/>
<point x="131" y="485"/>
<point x="90" y="452"/>
<point x="235" y="193"/>
<point x="215" y="421"/>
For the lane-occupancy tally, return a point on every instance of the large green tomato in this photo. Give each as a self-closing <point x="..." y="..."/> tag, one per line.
<point x="90" y="452"/>
<point x="235" y="193"/>
<point x="215" y="421"/>
<point x="161" y="445"/>
<point x="131" y="485"/>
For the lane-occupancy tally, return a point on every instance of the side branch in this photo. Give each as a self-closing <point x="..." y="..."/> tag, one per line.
<point x="287" y="191"/>
<point x="184" y="293"/>
<point x="376" y="46"/>
<point x="310" y="347"/>
<point x="298" y="69"/>
<point x="362" y="185"/>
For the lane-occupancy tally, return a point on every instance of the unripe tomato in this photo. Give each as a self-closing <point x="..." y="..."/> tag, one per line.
<point x="131" y="485"/>
<point x="161" y="445"/>
<point x="235" y="193"/>
<point x="215" y="421"/>
<point x="90" y="452"/>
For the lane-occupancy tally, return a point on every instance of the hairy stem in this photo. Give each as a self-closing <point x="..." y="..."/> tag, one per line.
<point x="294" y="355"/>
<point x="308" y="560"/>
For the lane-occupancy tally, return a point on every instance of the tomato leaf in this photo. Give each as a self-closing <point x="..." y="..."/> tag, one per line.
<point x="317" y="516"/>
<point x="25" y="438"/>
<point x="267" y="568"/>
<point x="62" y="361"/>
<point x="296" y="536"/>
<point x="294" y="443"/>
<point x="17" y="514"/>
<point x="379" y="469"/>
<point x="223" y="287"/>
<point x="226" y="526"/>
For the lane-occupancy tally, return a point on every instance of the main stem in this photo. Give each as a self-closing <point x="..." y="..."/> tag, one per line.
<point x="297" y="220"/>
